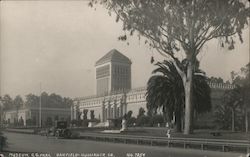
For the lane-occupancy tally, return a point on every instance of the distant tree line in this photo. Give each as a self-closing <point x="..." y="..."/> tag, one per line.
<point x="31" y="100"/>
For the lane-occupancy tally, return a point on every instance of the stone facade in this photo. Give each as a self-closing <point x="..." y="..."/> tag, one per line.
<point x="115" y="105"/>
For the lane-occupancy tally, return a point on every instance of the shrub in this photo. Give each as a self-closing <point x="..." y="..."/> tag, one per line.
<point x="143" y="120"/>
<point x="156" y="119"/>
<point x="85" y="123"/>
<point x="3" y="142"/>
<point x="117" y="122"/>
<point x="131" y="121"/>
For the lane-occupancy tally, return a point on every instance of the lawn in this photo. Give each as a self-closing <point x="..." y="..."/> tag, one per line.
<point x="161" y="132"/>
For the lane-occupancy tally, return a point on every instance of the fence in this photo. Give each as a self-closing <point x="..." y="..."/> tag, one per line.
<point x="196" y="143"/>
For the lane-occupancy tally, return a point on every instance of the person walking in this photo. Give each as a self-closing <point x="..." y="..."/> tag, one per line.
<point x="168" y="132"/>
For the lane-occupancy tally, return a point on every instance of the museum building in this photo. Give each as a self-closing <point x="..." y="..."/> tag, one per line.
<point x="114" y="96"/>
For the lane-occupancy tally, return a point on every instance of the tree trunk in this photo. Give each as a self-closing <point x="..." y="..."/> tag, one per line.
<point x="188" y="99"/>
<point x="233" y="129"/>
<point x="178" y="121"/>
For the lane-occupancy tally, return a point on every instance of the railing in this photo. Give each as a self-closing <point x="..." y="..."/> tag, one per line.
<point x="221" y="85"/>
<point x="203" y="144"/>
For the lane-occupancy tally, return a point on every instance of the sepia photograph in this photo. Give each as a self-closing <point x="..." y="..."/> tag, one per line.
<point x="124" y="78"/>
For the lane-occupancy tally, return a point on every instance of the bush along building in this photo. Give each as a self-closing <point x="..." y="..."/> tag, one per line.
<point x="115" y="97"/>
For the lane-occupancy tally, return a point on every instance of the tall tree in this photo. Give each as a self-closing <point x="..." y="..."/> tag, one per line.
<point x="186" y="25"/>
<point x="55" y="100"/>
<point x="7" y="102"/>
<point x="165" y="91"/>
<point x="233" y="100"/>
<point x="242" y="82"/>
<point x="32" y="100"/>
<point x="67" y="102"/>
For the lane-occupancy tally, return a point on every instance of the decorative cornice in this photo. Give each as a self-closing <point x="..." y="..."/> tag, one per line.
<point x="222" y="86"/>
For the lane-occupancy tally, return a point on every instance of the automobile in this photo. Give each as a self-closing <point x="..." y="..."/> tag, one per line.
<point x="60" y="130"/>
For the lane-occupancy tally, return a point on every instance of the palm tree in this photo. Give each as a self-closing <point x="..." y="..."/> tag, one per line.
<point x="165" y="91"/>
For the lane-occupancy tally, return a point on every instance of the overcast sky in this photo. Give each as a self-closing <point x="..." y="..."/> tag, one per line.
<point x="58" y="42"/>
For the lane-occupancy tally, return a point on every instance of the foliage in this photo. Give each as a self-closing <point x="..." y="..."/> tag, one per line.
<point x="85" y="114"/>
<point x="32" y="100"/>
<point x="216" y="80"/>
<point x="3" y="141"/>
<point x="157" y="119"/>
<point x="143" y="120"/>
<point x="56" y="101"/>
<point x="92" y="114"/>
<point x="236" y="102"/>
<point x="129" y="114"/>
<point x="223" y="118"/>
<point x="18" y="102"/>
<point x="141" y="112"/>
<point x="117" y="122"/>
<point x="7" y="102"/>
<point x="173" y="25"/>
<point x="51" y="101"/>
<point x="131" y="121"/>
<point x="165" y="91"/>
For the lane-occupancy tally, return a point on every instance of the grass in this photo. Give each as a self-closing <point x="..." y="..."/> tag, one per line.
<point x="161" y="132"/>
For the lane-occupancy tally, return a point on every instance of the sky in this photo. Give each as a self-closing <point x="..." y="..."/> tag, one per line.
<point x="56" y="44"/>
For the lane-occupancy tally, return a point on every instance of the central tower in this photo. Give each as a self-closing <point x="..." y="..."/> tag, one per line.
<point x="113" y="73"/>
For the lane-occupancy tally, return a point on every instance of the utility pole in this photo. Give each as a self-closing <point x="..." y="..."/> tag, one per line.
<point x="40" y="107"/>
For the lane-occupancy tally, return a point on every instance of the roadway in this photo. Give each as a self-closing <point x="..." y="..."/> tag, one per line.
<point x="35" y="143"/>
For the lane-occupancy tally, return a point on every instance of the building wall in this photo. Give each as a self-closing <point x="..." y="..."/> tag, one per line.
<point x="136" y="98"/>
<point x="120" y="76"/>
<point x="113" y="76"/>
<point x="103" y="80"/>
<point x="33" y="113"/>
<point x="10" y="116"/>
